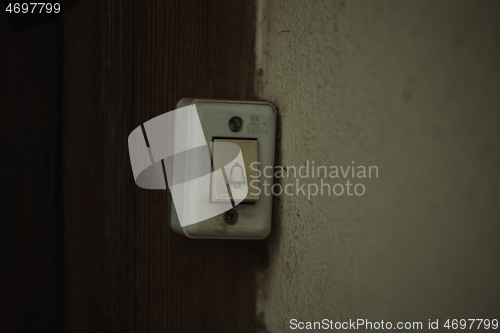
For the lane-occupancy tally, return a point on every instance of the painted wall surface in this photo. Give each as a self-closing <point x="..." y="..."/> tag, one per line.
<point x="412" y="87"/>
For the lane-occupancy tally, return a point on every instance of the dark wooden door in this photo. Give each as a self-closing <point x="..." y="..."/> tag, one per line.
<point x="126" y="62"/>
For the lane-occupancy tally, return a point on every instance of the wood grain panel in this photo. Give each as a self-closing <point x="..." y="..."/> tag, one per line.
<point x="135" y="63"/>
<point x="118" y="208"/>
<point x="192" y="49"/>
<point x="100" y="207"/>
<point x="81" y="168"/>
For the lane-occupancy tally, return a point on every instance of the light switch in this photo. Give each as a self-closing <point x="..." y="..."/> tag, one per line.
<point x="240" y="141"/>
<point x="242" y="181"/>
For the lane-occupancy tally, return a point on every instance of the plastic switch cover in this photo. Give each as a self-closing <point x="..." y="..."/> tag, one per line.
<point x="251" y="217"/>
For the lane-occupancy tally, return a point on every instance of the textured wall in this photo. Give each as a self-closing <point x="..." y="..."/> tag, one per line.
<point x="412" y="87"/>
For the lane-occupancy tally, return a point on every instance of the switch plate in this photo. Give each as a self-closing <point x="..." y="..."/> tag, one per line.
<point x="257" y="135"/>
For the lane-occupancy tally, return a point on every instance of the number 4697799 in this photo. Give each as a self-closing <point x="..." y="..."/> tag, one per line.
<point x="471" y="324"/>
<point x="33" y="7"/>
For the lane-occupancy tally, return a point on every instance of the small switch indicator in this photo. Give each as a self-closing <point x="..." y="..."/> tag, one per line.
<point x="239" y="178"/>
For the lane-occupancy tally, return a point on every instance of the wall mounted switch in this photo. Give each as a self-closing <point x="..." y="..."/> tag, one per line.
<point x="251" y="127"/>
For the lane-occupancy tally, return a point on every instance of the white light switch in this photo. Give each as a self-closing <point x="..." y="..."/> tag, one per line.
<point x="228" y="125"/>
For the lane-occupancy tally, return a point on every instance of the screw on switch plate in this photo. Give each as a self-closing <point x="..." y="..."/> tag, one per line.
<point x="231" y="216"/>
<point x="235" y="124"/>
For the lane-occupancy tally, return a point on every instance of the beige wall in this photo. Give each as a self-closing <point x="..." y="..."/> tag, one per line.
<point x="413" y="88"/>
